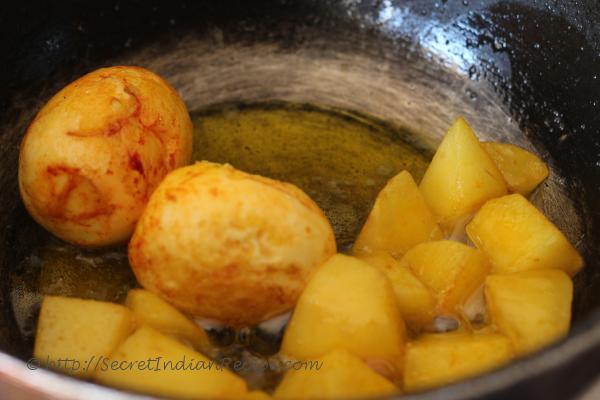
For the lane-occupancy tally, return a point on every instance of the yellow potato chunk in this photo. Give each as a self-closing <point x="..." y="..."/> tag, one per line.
<point x="239" y="247"/>
<point x="79" y="330"/>
<point x="95" y="152"/>
<point x="516" y="236"/>
<point x="452" y="270"/>
<point x="417" y="303"/>
<point x="532" y="308"/>
<point x="150" y="309"/>
<point x="399" y="220"/>
<point x="439" y="359"/>
<point x="152" y="363"/>
<point x="348" y="304"/>
<point x="256" y="395"/>
<point x="337" y="375"/>
<point x="523" y="171"/>
<point x="461" y="176"/>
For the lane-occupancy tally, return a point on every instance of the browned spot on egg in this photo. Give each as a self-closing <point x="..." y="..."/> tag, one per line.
<point x="170" y="196"/>
<point x="214" y="191"/>
<point x="135" y="163"/>
<point x="68" y="185"/>
<point x="293" y="270"/>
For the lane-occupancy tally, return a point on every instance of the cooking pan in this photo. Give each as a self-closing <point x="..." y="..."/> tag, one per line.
<point x="526" y="72"/>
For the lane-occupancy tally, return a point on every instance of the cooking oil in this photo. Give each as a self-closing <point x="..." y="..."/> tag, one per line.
<point x="340" y="159"/>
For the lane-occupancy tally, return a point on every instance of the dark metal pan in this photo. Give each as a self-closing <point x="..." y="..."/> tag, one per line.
<point x="521" y="71"/>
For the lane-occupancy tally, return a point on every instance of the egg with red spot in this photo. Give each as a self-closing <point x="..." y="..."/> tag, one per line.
<point x="229" y="246"/>
<point x="96" y="151"/>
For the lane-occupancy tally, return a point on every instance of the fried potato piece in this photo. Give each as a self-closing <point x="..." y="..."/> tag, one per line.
<point x="348" y="304"/>
<point x="452" y="270"/>
<point x="516" y="236"/>
<point x="79" y="330"/>
<point x="439" y="359"/>
<point x="399" y="220"/>
<point x="337" y="375"/>
<point x="417" y="303"/>
<point x="256" y="395"/>
<point x="150" y="309"/>
<point x="532" y="308"/>
<point x="523" y="171"/>
<point x="461" y="176"/>
<point x="169" y="369"/>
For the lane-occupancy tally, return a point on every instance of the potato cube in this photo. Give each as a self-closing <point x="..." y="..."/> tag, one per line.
<point x="256" y="395"/>
<point x="461" y="176"/>
<point x="351" y="305"/>
<point x="439" y="359"/>
<point x="150" y="309"/>
<point x="417" y="303"/>
<point x="79" y="330"/>
<point x="516" y="236"/>
<point x="399" y="220"/>
<point x="532" y="308"/>
<point x="337" y="375"/>
<point x="522" y="170"/>
<point x="452" y="270"/>
<point x="150" y="362"/>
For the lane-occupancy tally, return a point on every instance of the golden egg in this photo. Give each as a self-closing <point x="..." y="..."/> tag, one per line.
<point x="97" y="150"/>
<point x="226" y="245"/>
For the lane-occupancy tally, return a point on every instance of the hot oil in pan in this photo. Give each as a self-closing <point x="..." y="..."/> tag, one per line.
<point x="340" y="159"/>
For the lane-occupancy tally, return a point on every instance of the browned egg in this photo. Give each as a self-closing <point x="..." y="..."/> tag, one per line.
<point x="96" y="151"/>
<point x="226" y="245"/>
